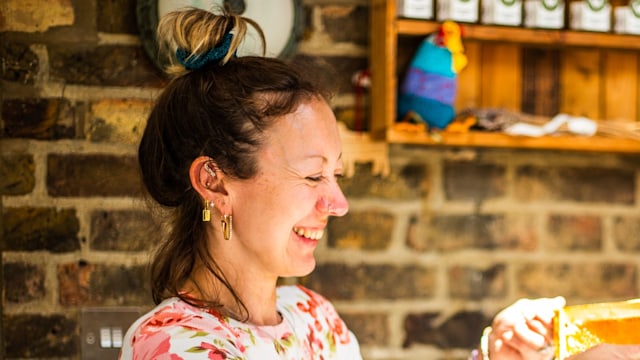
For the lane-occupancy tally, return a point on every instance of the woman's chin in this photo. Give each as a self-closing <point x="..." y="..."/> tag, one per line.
<point x="304" y="269"/>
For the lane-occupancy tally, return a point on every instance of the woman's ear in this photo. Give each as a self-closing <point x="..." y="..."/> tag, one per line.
<point x="206" y="177"/>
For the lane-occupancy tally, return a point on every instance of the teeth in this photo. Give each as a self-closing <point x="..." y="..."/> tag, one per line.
<point x="310" y="234"/>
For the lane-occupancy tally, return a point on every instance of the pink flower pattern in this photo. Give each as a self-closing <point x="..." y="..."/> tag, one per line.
<point x="175" y="330"/>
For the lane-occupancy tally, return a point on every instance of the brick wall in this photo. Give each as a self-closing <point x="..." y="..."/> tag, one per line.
<point x="422" y="261"/>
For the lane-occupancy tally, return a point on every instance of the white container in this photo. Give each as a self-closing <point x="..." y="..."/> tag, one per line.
<point x="457" y="10"/>
<point x="627" y="18"/>
<point x="590" y="15"/>
<point x="418" y="9"/>
<point x="544" y="14"/>
<point x="502" y="12"/>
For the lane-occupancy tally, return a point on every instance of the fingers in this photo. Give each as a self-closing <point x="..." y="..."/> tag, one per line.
<point x="529" y="343"/>
<point x="499" y="350"/>
<point x="542" y="309"/>
<point x="527" y="327"/>
<point x="511" y="347"/>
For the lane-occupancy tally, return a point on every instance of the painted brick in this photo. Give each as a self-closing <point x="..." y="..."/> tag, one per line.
<point x="20" y="64"/>
<point x="367" y="230"/>
<point x="117" y="16"/>
<point x="583" y="233"/>
<point x="109" y="65"/>
<point x="625" y="233"/>
<point x="41" y="119"/>
<point x="118" y="120"/>
<point x="92" y="175"/>
<point x="35" y="229"/>
<point x="458" y="232"/>
<point x="459" y="330"/>
<point x="473" y="181"/>
<point x="23" y="282"/>
<point x="123" y="231"/>
<point x="346" y="23"/>
<point x="40" y="336"/>
<point x="474" y="284"/>
<point x="35" y="15"/>
<point x="409" y="182"/>
<point x="584" y="281"/>
<point x="16" y="174"/>
<point x="369" y="282"/>
<point x="369" y="328"/>
<point x="575" y="184"/>
<point x="87" y="284"/>
<point x="74" y="283"/>
<point x="119" y="285"/>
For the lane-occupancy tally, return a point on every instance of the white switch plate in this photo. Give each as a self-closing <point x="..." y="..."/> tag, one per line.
<point x="102" y="330"/>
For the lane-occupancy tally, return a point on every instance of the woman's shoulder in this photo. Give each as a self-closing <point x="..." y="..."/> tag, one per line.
<point x="298" y="291"/>
<point x="176" y="313"/>
<point x="300" y="296"/>
<point x="174" y="326"/>
<point x="306" y="304"/>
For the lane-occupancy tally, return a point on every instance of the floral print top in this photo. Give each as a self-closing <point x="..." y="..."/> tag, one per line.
<point x="174" y="330"/>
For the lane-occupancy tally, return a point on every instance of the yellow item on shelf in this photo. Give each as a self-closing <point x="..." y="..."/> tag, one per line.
<point x="580" y="327"/>
<point x="461" y="124"/>
<point x="451" y="34"/>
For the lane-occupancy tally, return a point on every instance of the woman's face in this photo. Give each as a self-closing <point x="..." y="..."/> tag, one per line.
<point x="280" y="215"/>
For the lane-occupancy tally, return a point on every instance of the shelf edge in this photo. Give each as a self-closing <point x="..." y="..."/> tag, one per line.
<point x="530" y="36"/>
<point x="500" y="140"/>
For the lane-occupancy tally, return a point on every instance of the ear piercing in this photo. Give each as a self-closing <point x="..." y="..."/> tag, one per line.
<point x="209" y="171"/>
<point x="206" y="213"/>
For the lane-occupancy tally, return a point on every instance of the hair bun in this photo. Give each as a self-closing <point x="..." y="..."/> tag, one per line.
<point x="194" y="38"/>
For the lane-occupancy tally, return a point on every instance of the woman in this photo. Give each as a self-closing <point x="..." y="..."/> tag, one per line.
<point x="245" y="152"/>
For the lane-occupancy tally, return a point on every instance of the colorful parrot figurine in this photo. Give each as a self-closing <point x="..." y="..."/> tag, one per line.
<point x="429" y="86"/>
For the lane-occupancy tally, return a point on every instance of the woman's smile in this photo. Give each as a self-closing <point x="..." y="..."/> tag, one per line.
<point x="309" y="233"/>
<point x="307" y="237"/>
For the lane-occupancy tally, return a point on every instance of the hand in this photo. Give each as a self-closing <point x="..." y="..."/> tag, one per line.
<point x="524" y="330"/>
<point x="609" y="352"/>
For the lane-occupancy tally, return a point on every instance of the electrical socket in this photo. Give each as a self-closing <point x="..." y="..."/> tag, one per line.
<point x="103" y="329"/>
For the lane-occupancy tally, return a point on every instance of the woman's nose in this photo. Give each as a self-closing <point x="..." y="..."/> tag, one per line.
<point x="334" y="204"/>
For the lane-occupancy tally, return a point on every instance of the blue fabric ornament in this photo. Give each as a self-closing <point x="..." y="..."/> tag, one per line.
<point x="214" y="55"/>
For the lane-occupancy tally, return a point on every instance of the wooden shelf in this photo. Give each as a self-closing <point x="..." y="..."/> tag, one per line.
<point x="507" y="34"/>
<point x="597" y="84"/>
<point x="500" y="140"/>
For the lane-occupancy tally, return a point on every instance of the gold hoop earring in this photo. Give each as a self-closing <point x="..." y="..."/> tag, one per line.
<point x="206" y="213"/>
<point x="227" y="226"/>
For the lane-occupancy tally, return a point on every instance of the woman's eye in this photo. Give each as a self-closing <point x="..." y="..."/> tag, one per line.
<point x="315" y="178"/>
<point x="321" y="178"/>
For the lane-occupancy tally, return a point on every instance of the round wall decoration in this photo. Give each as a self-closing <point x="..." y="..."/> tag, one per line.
<point x="281" y="21"/>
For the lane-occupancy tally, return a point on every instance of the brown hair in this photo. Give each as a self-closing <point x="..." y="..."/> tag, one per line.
<point x="221" y="111"/>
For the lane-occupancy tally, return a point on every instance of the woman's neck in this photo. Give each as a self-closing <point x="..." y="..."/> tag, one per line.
<point x="258" y="297"/>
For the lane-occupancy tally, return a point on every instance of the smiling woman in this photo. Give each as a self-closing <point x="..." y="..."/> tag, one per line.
<point x="244" y="153"/>
<point x="281" y="21"/>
